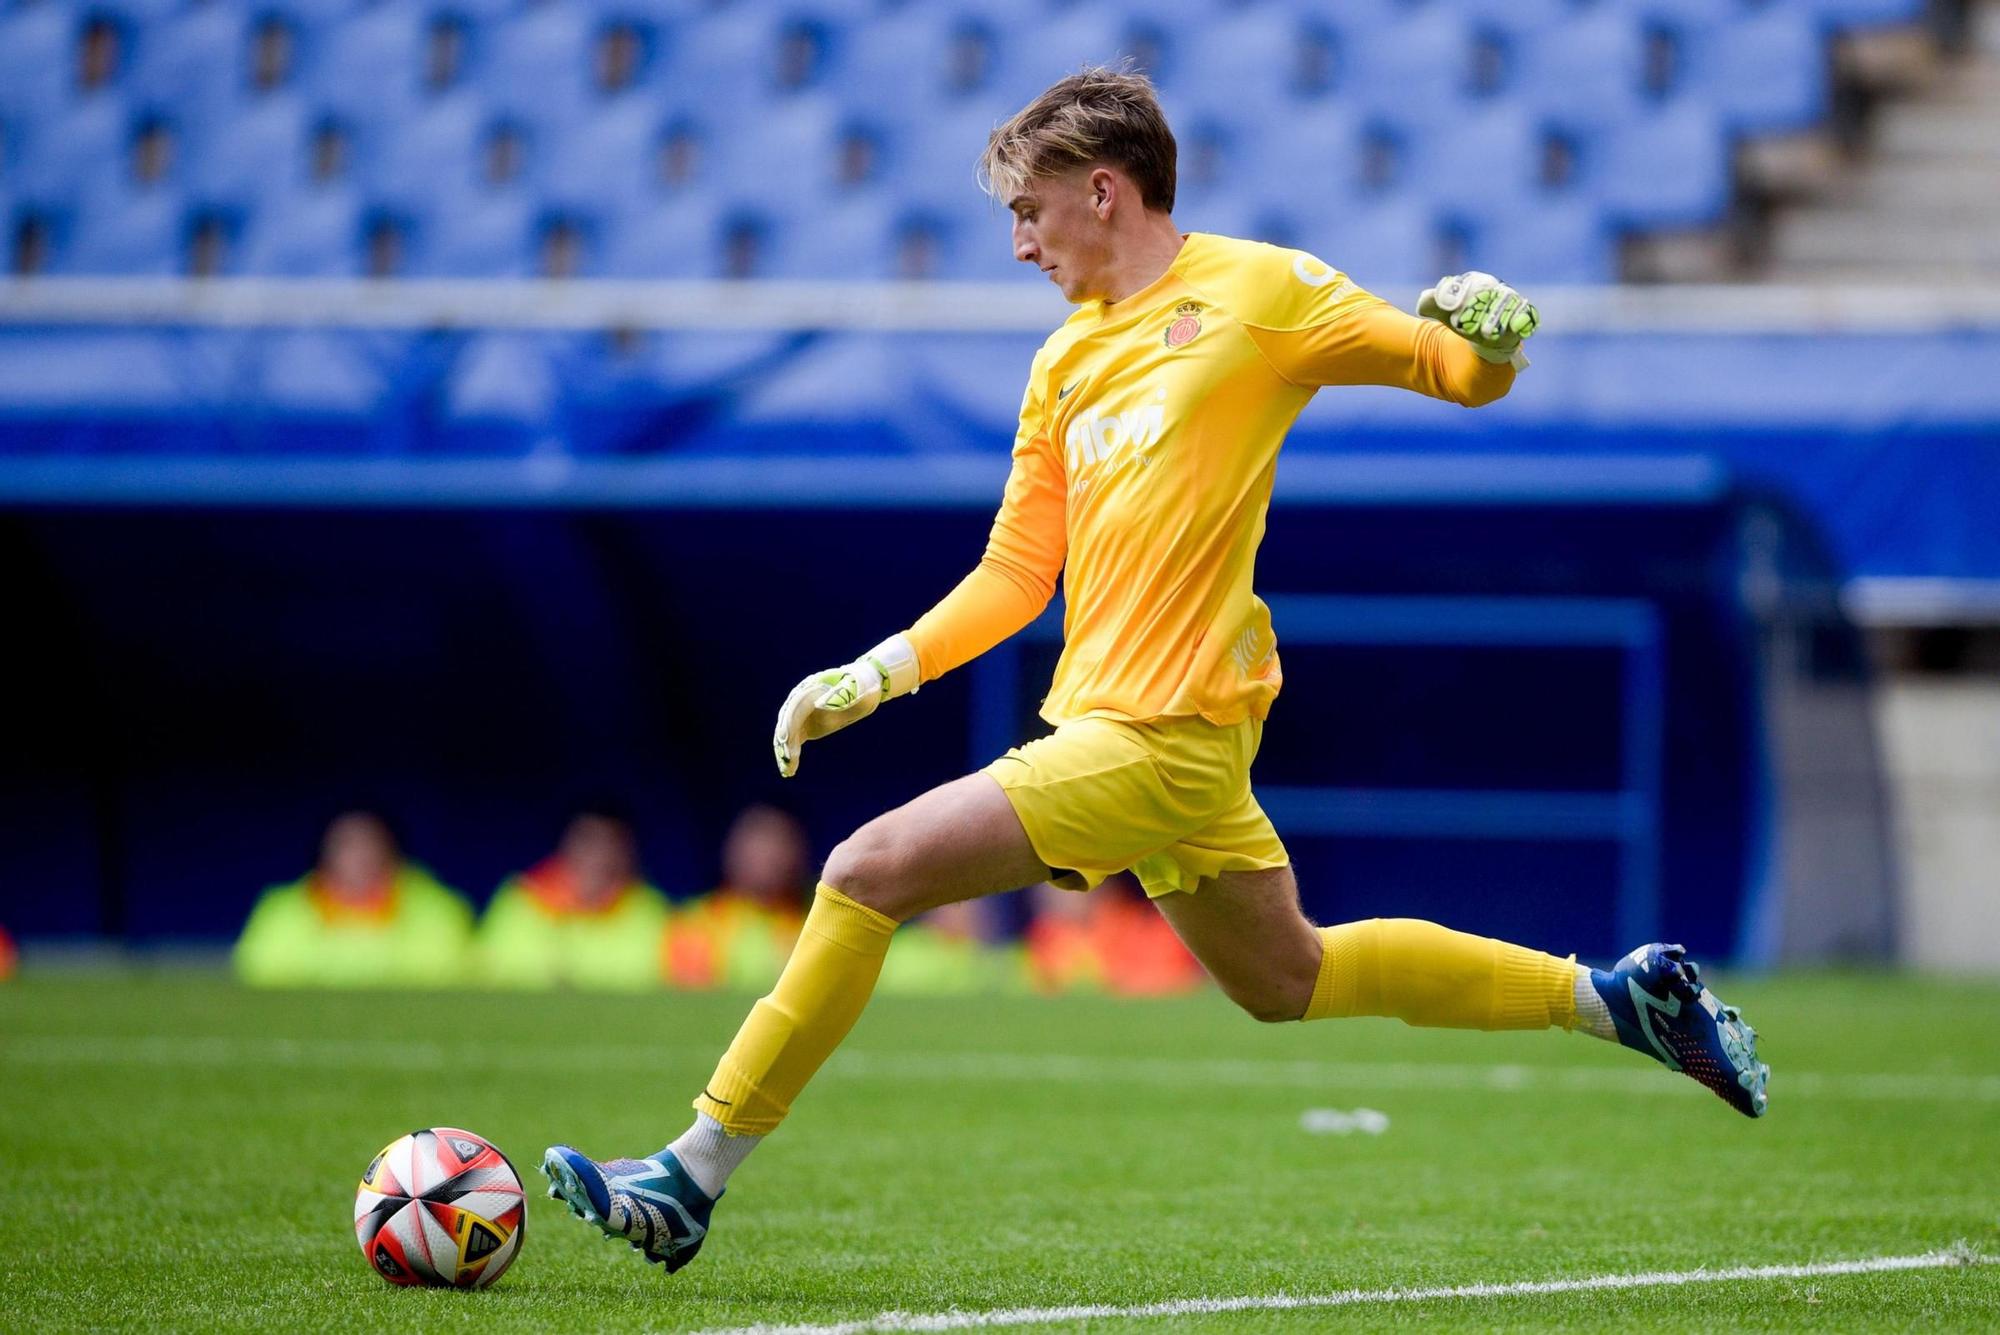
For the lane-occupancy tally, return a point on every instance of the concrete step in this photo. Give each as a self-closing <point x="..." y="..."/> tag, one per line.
<point x="1964" y="189"/>
<point x="1865" y="238"/>
<point x="1929" y="131"/>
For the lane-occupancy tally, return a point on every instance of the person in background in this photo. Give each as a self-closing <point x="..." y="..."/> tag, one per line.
<point x="9" y="957"/>
<point x="951" y="952"/>
<point x="582" y="917"/>
<point x="740" y="934"/>
<point x="364" y="917"/>
<point x="1109" y="940"/>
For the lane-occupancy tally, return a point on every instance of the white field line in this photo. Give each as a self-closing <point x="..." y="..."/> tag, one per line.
<point x="1318" y="1077"/>
<point x="1287" y="1302"/>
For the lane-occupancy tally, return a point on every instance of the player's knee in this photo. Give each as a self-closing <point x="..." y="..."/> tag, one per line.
<point x="870" y="868"/>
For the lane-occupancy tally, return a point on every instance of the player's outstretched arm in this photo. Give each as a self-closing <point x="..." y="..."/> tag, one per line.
<point x="1485" y="312"/>
<point x="828" y="701"/>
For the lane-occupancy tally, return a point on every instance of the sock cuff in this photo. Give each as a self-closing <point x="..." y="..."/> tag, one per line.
<point x="1533" y="990"/>
<point x="846" y="922"/>
<point x="733" y="1098"/>
<point x="1333" y="989"/>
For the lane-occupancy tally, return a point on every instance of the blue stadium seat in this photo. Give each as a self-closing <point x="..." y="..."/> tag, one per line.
<point x="258" y="154"/>
<point x="369" y="70"/>
<point x="851" y="240"/>
<point x="126" y="232"/>
<point x="1670" y="168"/>
<point x="502" y="394"/>
<point x="1253" y="62"/>
<point x="1312" y="153"/>
<point x="1867" y="13"/>
<point x="1765" y="72"/>
<point x="901" y="64"/>
<point x="536" y="66"/>
<point x="1554" y="239"/>
<point x="780" y="161"/>
<point x="725" y="62"/>
<point x="194" y="63"/>
<point x="1412" y="71"/>
<point x="1488" y="158"/>
<point x="37" y="59"/>
<point x="313" y="233"/>
<point x="608" y="162"/>
<point x="932" y="162"/>
<point x="407" y="166"/>
<point x="480" y="233"/>
<point x="62" y="155"/>
<point x="1030" y="57"/>
<point x="1385" y="243"/>
<point x="1585" y="72"/>
<point x="680" y="238"/>
<point x="1519" y="20"/>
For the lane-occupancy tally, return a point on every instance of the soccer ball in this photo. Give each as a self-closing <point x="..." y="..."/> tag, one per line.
<point x="442" y="1208"/>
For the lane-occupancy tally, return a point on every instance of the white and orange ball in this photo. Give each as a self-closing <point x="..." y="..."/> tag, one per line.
<point x="440" y="1207"/>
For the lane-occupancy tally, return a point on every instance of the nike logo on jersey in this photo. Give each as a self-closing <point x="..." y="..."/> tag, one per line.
<point x="1067" y="390"/>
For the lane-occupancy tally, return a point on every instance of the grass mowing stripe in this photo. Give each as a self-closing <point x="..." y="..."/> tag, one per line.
<point x="1643" y="1080"/>
<point x="1285" y="1302"/>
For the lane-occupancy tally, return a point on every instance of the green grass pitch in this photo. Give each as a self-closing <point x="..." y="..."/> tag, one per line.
<point x="181" y="1154"/>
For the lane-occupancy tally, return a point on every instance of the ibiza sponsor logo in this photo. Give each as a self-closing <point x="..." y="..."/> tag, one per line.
<point x="1094" y="435"/>
<point x="1315" y="274"/>
<point x="1185" y="324"/>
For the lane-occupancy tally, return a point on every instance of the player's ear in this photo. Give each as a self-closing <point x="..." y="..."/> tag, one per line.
<point x="1103" y="192"/>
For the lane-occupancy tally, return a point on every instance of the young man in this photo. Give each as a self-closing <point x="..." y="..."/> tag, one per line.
<point x="1141" y="474"/>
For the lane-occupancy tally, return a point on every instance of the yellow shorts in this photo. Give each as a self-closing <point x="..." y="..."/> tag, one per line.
<point x="1169" y="800"/>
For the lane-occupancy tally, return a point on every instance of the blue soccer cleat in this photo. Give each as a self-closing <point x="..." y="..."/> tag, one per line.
<point x="1660" y="1008"/>
<point x="651" y="1203"/>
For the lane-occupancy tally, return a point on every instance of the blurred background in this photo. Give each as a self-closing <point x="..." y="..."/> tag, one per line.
<point x="427" y="428"/>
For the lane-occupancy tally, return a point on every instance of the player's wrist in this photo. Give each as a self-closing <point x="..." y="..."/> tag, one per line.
<point x="894" y="661"/>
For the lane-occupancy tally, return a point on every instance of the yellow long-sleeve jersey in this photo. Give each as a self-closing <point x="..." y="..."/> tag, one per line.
<point x="1142" y="471"/>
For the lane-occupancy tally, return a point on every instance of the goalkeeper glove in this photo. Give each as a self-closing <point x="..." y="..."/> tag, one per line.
<point x="1491" y="316"/>
<point x="828" y="701"/>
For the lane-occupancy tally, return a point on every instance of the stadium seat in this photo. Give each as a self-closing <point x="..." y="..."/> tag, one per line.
<point x="313" y="233"/>
<point x="1313" y="152"/>
<point x="1385" y="243"/>
<point x="128" y="233"/>
<point x="37" y="59"/>
<point x="1765" y="72"/>
<point x="1414" y="70"/>
<point x="1253" y="62"/>
<point x="536" y="66"/>
<point x="437" y="151"/>
<point x="370" y="69"/>
<point x="680" y="238"/>
<point x="1559" y="239"/>
<point x="256" y="155"/>
<point x="1670" y="168"/>
<point x="502" y="395"/>
<point x="1584" y="72"/>
<point x="1867" y="13"/>
<point x="1488" y="159"/>
<point x="780" y="161"/>
<point x="933" y="162"/>
<point x="478" y="233"/>
<point x="608" y="162"/>
<point x="1031" y="57"/>
<point x="193" y="63"/>
<point x="60" y="156"/>
<point x="725" y="62"/>
<point x="852" y="240"/>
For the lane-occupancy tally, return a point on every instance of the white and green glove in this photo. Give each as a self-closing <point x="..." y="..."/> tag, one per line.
<point x="828" y="701"/>
<point x="1488" y="314"/>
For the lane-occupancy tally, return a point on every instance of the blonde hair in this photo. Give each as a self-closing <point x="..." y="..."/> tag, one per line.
<point x="1098" y="114"/>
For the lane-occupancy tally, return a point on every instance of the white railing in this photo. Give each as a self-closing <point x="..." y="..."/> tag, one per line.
<point x="905" y="307"/>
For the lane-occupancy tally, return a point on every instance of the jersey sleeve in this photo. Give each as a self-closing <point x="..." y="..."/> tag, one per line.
<point x="1317" y="327"/>
<point x="1024" y="555"/>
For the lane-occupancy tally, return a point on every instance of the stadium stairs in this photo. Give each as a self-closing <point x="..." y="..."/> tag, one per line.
<point x="1925" y="203"/>
<point x="1900" y="182"/>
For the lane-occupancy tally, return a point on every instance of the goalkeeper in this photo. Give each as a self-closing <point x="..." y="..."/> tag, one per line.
<point x="1142" y="470"/>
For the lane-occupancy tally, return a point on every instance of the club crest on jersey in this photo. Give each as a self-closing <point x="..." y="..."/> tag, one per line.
<point x="1185" y="324"/>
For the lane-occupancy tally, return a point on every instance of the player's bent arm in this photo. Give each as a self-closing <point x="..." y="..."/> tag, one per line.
<point x="1009" y="587"/>
<point x="1373" y="343"/>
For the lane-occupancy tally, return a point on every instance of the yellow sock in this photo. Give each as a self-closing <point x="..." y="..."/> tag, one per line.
<point x="1424" y="974"/>
<point x="789" y="1033"/>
